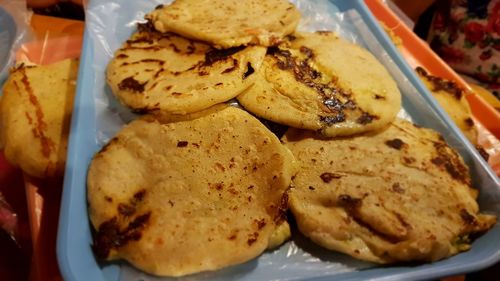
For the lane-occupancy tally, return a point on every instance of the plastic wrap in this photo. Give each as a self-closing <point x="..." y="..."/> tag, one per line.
<point x="8" y="218"/>
<point x="30" y="210"/>
<point x="13" y="217"/>
<point x="297" y="259"/>
<point x="14" y="30"/>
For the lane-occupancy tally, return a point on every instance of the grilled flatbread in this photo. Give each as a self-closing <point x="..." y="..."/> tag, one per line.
<point x="228" y="23"/>
<point x="209" y="187"/>
<point x="452" y="99"/>
<point x="35" y="113"/>
<point x="155" y="71"/>
<point x="318" y="81"/>
<point x="397" y="195"/>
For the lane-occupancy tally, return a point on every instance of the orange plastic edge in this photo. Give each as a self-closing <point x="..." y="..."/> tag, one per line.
<point x="418" y="53"/>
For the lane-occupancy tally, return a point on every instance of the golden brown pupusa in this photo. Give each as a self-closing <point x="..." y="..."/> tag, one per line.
<point x="228" y="23"/>
<point x="398" y="195"/>
<point x="164" y="71"/>
<point x="319" y="81"/>
<point x="35" y="114"/>
<point x="208" y="187"/>
<point x="452" y="99"/>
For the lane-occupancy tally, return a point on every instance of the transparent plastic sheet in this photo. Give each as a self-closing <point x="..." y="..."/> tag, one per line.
<point x="8" y="219"/>
<point x="13" y="210"/>
<point x="29" y="214"/>
<point x="299" y="258"/>
<point x="491" y="145"/>
<point x="14" y="30"/>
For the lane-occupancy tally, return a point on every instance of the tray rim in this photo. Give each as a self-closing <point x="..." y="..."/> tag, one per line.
<point x="77" y="137"/>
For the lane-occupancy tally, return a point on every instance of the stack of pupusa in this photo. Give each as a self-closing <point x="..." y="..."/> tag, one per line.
<point x="192" y="185"/>
<point x="191" y="55"/>
<point x="174" y="63"/>
<point x="208" y="182"/>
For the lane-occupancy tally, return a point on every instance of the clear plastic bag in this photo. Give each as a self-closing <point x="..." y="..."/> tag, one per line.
<point x="14" y="30"/>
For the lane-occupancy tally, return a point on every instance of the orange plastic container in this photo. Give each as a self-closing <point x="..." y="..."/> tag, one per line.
<point x="56" y="39"/>
<point x="418" y="53"/>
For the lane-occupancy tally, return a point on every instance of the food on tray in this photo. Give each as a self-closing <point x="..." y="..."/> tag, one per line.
<point x="449" y="94"/>
<point x="401" y="194"/>
<point x="175" y="195"/>
<point x="319" y="81"/>
<point x="398" y="42"/>
<point x="452" y="99"/>
<point x="228" y="23"/>
<point x="486" y="95"/>
<point x="164" y="71"/>
<point x="280" y="235"/>
<point x="35" y="113"/>
<point x="197" y="185"/>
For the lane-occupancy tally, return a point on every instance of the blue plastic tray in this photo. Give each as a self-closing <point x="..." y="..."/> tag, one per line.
<point x="77" y="261"/>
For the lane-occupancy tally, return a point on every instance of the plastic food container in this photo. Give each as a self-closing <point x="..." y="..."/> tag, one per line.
<point x="98" y="116"/>
<point x="56" y="39"/>
<point x="417" y="53"/>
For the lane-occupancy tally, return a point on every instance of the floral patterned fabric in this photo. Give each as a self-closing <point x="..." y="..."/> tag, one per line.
<point x="466" y="34"/>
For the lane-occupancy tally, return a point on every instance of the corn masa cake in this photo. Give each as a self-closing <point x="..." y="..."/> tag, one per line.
<point x="228" y="23"/>
<point x="35" y="115"/>
<point x="209" y="187"/>
<point x="163" y="71"/>
<point x="318" y="81"/>
<point x="394" y="196"/>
